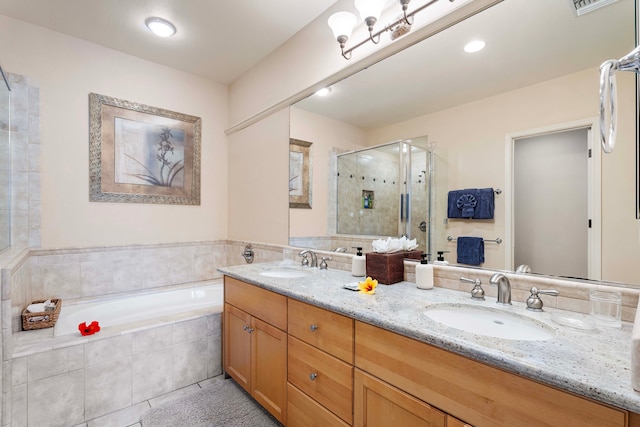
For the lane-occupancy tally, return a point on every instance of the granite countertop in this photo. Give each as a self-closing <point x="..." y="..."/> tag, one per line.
<point x="594" y="363"/>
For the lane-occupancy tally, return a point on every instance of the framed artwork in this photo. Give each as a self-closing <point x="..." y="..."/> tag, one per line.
<point x="142" y="154"/>
<point x="299" y="174"/>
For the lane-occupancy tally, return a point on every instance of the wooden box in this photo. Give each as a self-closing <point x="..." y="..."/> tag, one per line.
<point x="388" y="269"/>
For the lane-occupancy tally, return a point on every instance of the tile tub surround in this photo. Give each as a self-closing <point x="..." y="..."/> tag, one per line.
<point x="595" y="364"/>
<point x="102" y="374"/>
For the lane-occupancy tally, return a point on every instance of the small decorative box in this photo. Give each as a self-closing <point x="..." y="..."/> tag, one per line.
<point x="388" y="269"/>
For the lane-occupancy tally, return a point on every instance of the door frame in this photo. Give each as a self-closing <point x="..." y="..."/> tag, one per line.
<point x="594" y="188"/>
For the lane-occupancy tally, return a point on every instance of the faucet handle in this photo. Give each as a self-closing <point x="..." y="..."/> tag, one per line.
<point x="534" y="302"/>
<point x="323" y="263"/>
<point x="305" y="260"/>
<point x="477" y="292"/>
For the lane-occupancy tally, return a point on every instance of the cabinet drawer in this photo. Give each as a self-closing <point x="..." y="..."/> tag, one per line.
<point x="303" y="411"/>
<point x="326" y="379"/>
<point x="321" y="328"/>
<point x="258" y="302"/>
<point x="477" y="393"/>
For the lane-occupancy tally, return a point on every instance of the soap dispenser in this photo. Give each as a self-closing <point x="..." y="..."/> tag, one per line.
<point x="440" y="259"/>
<point x="358" y="264"/>
<point x="424" y="273"/>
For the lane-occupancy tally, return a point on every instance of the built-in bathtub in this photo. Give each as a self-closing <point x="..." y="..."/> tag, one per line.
<point x="149" y="344"/>
<point x="138" y="308"/>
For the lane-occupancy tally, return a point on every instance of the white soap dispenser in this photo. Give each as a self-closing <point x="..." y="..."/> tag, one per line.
<point x="358" y="264"/>
<point x="424" y="273"/>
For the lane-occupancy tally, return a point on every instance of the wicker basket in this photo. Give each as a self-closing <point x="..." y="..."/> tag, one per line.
<point x="43" y="319"/>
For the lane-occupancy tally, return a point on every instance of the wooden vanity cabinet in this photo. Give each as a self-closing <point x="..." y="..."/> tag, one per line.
<point x="255" y="343"/>
<point x="320" y="366"/>
<point x="477" y="393"/>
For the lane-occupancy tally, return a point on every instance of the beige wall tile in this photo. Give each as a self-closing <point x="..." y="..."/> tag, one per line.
<point x="103" y="350"/>
<point x="152" y="374"/>
<point x="108" y="387"/>
<point x="57" y="401"/>
<point x="189" y="363"/>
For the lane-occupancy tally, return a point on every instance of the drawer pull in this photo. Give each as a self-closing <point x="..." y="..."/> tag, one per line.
<point x="250" y="330"/>
<point x="313" y="327"/>
<point x="313" y="376"/>
<point x="245" y="327"/>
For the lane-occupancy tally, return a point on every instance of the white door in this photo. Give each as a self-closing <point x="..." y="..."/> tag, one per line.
<point x="551" y="218"/>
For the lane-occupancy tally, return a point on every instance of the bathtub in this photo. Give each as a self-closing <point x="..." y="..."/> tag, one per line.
<point x="139" y="308"/>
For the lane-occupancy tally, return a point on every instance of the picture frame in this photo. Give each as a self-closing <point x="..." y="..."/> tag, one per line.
<point x="142" y="154"/>
<point x="300" y="190"/>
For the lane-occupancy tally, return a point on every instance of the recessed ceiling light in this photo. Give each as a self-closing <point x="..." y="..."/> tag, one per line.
<point x="160" y="27"/>
<point x="474" y="46"/>
<point x="324" y="91"/>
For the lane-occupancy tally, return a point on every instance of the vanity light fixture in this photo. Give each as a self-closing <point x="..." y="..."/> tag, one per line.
<point x="324" y="91"/>
<point x="160" y="27"/>
<point x="474" y="46"/>
<point x="342" y="23"/>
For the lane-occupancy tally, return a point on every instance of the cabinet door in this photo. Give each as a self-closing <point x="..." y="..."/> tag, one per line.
<point x="237" y="345"/>
<point x="269" y="367"/>
<point x="379" y="404"/>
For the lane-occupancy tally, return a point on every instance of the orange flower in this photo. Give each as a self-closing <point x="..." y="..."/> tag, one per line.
<point x="368" y="286"/>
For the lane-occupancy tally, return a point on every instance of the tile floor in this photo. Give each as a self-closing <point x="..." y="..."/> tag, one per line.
<point x="130" y="417"/>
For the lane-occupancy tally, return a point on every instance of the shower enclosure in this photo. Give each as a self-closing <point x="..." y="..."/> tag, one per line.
<point x="389" y="190"/>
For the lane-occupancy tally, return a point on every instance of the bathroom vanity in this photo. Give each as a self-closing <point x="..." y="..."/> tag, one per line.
<point x="318" y="354"/>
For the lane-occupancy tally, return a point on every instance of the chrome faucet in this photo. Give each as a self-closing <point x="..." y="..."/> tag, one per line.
<point x="504" y="288"/>
<point x="314" y="258"/>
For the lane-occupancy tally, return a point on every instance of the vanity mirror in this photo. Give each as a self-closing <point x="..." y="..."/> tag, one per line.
<point x="538" y="74"/>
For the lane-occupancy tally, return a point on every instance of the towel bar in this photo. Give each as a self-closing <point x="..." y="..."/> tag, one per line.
<point x="497" y="240"/>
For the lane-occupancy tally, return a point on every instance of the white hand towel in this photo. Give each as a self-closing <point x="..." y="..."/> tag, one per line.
<point x="36" y="308"/>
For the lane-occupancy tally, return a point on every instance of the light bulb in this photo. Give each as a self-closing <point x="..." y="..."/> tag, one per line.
<point x="370" y="8"/>
<point x="474" y="46"/>
<point x="342" y="23"/>
<point x="160" y="27"/>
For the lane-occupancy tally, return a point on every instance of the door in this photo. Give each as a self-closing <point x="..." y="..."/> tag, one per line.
<point x="551" y="203"/>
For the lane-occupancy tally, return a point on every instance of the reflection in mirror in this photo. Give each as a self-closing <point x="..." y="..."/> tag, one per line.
<point x="5" y="162"/>
<point x="388" y="190"/>
<point x="539" y="71"/>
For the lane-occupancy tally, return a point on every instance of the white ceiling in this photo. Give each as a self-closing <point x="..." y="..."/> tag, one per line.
<point x="216" y="39"/>
<point x="528" y="41"/>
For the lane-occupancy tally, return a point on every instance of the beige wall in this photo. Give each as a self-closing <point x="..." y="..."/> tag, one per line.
<point x="67" y="70"/>
<point x="258" y="205"/>
<point x="474" y="137"/>
<point x="325" y="134"/>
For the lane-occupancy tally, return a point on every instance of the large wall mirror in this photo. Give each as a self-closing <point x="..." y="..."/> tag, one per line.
<point x="538" y="75"/>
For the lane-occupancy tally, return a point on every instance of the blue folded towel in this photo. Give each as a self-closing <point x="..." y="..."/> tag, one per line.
<point x="470" y="250"/>
<point x="485" y="198"/>
<point x="472" y="203"/>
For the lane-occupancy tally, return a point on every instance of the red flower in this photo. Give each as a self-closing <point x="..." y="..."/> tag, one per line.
<point x="89" y="330"/>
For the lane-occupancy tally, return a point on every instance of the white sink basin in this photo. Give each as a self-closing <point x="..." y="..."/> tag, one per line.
<point x="490" y="322"/>
<point x="284" y="273"/>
